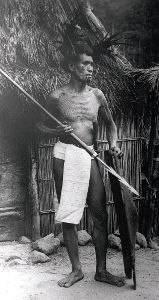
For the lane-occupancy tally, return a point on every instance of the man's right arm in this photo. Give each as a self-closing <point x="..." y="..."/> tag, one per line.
<point x="46" y="130"/>
<point x="45" y="126"/>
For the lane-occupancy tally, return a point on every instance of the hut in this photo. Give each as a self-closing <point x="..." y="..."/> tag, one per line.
<point x="29" y="35"/>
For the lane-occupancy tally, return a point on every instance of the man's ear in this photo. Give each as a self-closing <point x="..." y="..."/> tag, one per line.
<point x="71" y="67"/>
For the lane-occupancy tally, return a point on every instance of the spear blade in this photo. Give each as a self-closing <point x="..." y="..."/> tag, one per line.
<point x="120" y="178"/>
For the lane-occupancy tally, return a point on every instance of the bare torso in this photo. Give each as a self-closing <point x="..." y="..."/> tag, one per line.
<point x="80" y="110"/>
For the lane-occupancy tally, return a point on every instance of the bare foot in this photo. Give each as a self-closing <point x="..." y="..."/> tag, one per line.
<point x="105" y="276"/>
<point x="72" y="278"/>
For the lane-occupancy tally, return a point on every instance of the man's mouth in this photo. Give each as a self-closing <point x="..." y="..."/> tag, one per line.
<point x="89" y="75"/>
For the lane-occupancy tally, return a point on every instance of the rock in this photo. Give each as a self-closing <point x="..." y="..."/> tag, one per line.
<point x="24" y="240"/>
<point x="120" y="247"/>
<point x="17" y="262"/>
<point x="12" y="257"/>
<point x="114" y="241"/>
<point x="38" y="257"/>
<point x="153" y="245"/>
<point x="14" y="261"/>
<point x="155" y="239"/>
<point x="83" y="237"/>
<point x="137" y="247"/>
<point x="156" y="256"/>
<point x="117" y="233"/>
<point x="61" y="239"/>
<point x="141" y="240"/>
<point x="47" y="245"/>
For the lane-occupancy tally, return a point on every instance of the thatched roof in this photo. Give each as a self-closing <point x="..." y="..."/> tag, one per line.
<point x="29" y="31"/>
<point x="150" y="77"/>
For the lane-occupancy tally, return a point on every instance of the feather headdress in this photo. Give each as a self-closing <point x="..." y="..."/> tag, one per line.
<point x="74" y="35"/>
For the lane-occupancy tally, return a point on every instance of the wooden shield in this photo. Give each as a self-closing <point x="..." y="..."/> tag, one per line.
<point x="126" y="216"/>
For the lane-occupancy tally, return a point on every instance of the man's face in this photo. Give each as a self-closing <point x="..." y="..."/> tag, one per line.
<point x="83" y="68"/>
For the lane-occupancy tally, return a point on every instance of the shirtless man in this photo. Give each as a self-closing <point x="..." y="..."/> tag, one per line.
<point x="77" y="105"/>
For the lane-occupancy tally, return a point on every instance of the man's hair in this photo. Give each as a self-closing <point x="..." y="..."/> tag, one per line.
<point x="73" y="55"/>
<point x="77" y="40"/>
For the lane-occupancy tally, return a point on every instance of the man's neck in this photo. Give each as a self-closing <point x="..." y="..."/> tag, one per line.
<point x="77" y="86"/>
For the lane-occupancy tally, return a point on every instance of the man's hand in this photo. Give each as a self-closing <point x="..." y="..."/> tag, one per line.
<point x="116" y="151"/>
<point x="65" y="129"/>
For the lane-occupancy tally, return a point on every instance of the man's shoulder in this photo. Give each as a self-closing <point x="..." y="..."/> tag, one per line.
<point x="99" y="94"/>
<point x="57" y="93"/>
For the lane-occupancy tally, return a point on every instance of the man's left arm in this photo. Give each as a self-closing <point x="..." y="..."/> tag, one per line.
<point x="111" y="130"/>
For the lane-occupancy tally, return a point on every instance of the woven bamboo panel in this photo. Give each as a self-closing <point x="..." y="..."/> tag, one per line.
<point x="46" y="189"/>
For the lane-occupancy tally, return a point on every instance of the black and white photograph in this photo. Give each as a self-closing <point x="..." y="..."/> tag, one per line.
<point x="79" y="149"/>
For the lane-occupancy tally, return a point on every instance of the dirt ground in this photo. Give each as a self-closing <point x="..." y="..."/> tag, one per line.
<point x="39" y="282"/>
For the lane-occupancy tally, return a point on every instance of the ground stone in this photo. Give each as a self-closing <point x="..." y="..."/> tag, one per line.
<point x="117" y="233"/>
<point x="12" y="257"/>
<point x="137" y="247"/>
<point x="155" y="239"/>
<point x="24" y="240"/>
<point x="114" y="241"/>
<point x="120" y="247"/>
<point x="14" y="261"/>
<point x="83" y="237"/>
<point x="47" y="245"/>
<point x="153" y="245"/>
<point x="156" y="256"/>
<point x="141" y="240"/>
<point x="38" y="257"/>
<point x="61" y="239"/>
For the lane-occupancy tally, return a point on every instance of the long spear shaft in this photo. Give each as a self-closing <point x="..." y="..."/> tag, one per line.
<point x="93" y="153"/>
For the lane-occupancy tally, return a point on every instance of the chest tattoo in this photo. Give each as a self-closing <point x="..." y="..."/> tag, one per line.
<point x="73" y="108"/>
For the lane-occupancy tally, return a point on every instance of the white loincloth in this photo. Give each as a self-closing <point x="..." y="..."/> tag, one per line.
<point x="76" y="178"/>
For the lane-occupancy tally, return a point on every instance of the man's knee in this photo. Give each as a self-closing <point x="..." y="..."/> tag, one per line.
<point x="100" y="219"/>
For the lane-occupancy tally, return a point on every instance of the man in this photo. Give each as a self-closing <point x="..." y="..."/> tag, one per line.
<point x="77" y="105"/>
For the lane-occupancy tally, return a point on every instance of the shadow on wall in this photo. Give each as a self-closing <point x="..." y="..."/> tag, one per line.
<point x="13" y="168"/>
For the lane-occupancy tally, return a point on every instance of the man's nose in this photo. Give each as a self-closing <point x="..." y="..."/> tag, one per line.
<point x="90" y="68"/>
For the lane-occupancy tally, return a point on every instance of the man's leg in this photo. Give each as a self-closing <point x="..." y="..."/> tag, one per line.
<point x="97" y="205"/>
<point x="69" y="233"/>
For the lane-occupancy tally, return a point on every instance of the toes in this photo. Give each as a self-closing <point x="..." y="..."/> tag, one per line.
<point x="109" y="278"/>
<point x="68" y="284"/>
<point x="62" y="282"/>
<point x="70" y="280"/>
<point x="121" y="283"/>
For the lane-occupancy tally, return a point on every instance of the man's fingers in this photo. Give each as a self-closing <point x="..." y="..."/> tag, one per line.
<point x="64" y="129"/>
<point x="120" y="155"/>
<point x="117" y="152"/>
<point x="68" y="130"/>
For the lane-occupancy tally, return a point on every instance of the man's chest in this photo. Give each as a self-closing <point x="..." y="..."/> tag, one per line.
<point x="72" y="108"/>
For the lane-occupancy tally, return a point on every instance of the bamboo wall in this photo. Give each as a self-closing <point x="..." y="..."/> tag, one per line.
<point x="130" y="163"/>
<point x="46" y="188"/>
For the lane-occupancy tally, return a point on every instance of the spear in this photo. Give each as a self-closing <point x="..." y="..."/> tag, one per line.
<point x="93" y="153"/>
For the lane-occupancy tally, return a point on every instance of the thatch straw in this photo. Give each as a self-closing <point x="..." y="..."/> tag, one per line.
<point x="29" y="31"/>
<point x="149" y="77"/>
